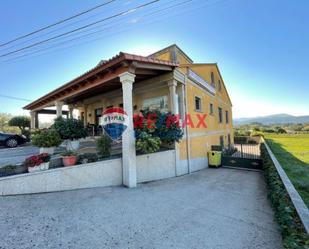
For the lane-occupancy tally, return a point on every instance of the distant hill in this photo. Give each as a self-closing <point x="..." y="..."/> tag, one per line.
<point x="273" y="119"/>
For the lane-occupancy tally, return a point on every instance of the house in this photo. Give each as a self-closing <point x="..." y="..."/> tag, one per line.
<point x="167" y="79"/>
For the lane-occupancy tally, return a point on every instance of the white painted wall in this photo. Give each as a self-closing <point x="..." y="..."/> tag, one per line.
<point x="197" y="164"/>
<point x="156" y="166"/>
<point x="150" y="167"/>
<point x="98" y="174"/>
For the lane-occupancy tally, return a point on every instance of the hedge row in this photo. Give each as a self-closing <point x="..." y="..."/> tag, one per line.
<point x="292" y="230"/>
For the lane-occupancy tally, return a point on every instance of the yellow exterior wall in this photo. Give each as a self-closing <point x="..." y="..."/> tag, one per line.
<point x="165" y="56"/>
<point x="138" y="98"/>
<point x="199" y="140"/>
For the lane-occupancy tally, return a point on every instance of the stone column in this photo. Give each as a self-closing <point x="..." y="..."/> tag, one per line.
<point x="59" y="105"/>
<point x="71" y="109"/>
<point x="32" y="119"/>
<point x="128" y="138"/>
<point x="182" y="101"/>
<point x="85" y="115"/>
<point x="173" y="97"/>
<point x="36" y="123"/>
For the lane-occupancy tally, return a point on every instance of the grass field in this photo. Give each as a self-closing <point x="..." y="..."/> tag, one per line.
<point x="292" y="151"/>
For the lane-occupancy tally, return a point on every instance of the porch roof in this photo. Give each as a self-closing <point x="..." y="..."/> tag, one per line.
<point x="103" y="78"/>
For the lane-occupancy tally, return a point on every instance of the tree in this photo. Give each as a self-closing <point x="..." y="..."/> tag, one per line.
<point x="280" y="130"/>
<point x="72" y="129"/>
<point x="22" y="122"/>
<point x="306" y="128"/>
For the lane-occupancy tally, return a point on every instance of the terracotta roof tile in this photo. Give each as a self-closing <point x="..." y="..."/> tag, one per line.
<point x="103" y="64"/>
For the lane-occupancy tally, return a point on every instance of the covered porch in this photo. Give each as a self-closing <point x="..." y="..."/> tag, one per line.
<point x="128" y="81"/>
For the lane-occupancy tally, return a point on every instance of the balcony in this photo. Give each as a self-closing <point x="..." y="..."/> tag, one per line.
<point x="199" y="80"/>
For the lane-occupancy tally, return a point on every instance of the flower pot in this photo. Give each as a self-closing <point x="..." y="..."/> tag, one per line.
<point x="69" y="160"/>
<point x="49" y="150"/>
<point x="44" y="166"/>
<point x="33" y="169"/>
<point x="72" y="145"/>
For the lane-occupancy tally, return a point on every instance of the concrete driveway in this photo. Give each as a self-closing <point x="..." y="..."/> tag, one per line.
<point x="213" y="208"/>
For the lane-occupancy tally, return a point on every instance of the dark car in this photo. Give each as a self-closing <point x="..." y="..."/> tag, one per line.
<point x="12" y="140"/>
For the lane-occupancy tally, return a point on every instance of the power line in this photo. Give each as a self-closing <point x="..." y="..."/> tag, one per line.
<point x="16" y="98"/>
<point x="57" y="23"/>
<point x="88" y="34"/>
<point x="100" y="31"/>
<point x="83" y="27"/>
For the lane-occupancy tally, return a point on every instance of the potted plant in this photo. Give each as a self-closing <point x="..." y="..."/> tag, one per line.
<point x="45" y="157"/>
<point x="46" y="140"/>
<point x="70" y="130"/>
<point x="69" y="158"/>
<point x="37" y="162"/>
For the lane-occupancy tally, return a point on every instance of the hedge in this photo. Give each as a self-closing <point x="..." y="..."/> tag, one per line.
<point x="293" y="233"/>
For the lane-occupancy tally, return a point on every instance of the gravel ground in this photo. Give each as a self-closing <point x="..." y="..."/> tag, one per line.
<point x="213" y="208"/>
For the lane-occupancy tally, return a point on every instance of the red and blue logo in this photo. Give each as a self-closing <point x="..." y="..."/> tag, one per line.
<point x="115" y="122"/>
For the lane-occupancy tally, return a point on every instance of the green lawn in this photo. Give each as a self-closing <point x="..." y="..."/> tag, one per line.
<point x="292" y="151"/>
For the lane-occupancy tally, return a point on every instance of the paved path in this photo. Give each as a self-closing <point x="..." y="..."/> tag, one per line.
<point x="213" y="208"/>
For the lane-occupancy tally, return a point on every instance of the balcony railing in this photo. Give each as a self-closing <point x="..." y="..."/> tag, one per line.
<point x="197" y="78"/>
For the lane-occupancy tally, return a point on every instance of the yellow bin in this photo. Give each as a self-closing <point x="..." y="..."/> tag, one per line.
<point x="214" y="158"/>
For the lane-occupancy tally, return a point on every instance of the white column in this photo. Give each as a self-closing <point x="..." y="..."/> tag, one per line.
<point x="128" y="139"/>
<point x="32" y="119"/>
<point x="71" y="109"/>
<point x="173" y="96"/>
<point x="59" y="105"/>
<point x="182" y="101"/>
<point x="85" y="115"/>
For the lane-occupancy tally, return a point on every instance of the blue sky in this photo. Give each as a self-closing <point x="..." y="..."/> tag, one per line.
<point x="261" y="47"/>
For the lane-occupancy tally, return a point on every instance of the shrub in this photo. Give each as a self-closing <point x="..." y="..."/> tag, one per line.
<point x="22" y="122"/>
<point x="46" y="138"/>
<point x="165" y="126"/>
<point x="146" y="143"/>
<point x="7" y="170"/>
<point x="293" y="233"/>
<point x="71" y="128"/>
<point x="104" y="146"/>
<point x="87" y="158"/>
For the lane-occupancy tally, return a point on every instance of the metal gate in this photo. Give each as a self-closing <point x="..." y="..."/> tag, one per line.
<point x="245" y="153"/>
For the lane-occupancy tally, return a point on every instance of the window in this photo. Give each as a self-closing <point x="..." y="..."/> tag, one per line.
<point x="220" y="114"/>
<point x="198" y="104"/>
<point x="227" y="116"/>
<point x="219" y="85"/>
<point x="160" y="103"/>
<point x="212" y="77"/>
<point x="211" y="109"/>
